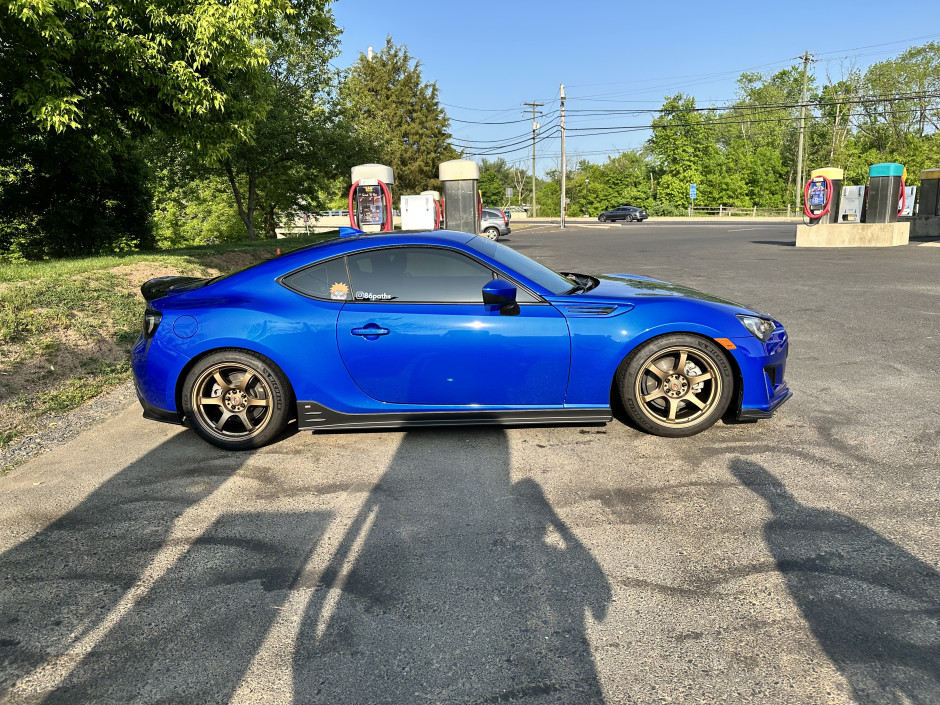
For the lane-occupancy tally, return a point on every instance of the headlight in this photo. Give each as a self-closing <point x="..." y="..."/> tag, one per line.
<point x="152" y="319"/>
<point x="760" y="328"/>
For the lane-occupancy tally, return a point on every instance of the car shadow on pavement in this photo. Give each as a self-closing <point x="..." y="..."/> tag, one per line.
<point x="453" y="584"/>
<point x="178" y="641"/>
<point x="873" y="607"/>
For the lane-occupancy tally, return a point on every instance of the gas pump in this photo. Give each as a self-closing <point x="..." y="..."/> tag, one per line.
<point x="370" y="199"/>
<point x="461" y="200"/>
<point x="821" y="195"/>
<point x="439" y="210"/>
<point x="885" y="193"/>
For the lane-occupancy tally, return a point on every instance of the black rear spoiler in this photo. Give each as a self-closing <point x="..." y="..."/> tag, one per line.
<point x="158" y="288"/>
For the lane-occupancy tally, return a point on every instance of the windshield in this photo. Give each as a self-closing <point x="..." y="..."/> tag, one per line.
<point x="530" y="269"/>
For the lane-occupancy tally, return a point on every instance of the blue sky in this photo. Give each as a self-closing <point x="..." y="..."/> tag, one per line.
<point x="488" y="57"/>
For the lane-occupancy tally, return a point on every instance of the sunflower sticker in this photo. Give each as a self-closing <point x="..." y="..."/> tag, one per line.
<point x="339" y="291"/>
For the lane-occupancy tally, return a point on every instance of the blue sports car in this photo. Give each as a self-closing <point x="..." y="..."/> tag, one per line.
<point x="394" y="330"/>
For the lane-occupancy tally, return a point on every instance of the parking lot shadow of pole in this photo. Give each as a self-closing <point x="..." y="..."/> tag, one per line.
<point x="192" y="636"/>
<point x="873" y="607"/>
<point x="453" y="584"/>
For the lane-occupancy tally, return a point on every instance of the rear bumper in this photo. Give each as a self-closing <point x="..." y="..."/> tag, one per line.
<point x="154" y="414"/>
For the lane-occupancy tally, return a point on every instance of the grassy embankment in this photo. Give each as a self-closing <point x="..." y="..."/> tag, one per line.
<point x="67" y="326"/>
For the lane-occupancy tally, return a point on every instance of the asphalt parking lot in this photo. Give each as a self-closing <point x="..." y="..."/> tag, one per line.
<point x="795" y="560"/>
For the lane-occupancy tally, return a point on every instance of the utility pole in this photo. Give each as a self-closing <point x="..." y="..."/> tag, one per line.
<point x="535" y="126"/>
<point x="564" y="167"/>
<point x="799" y="159"/>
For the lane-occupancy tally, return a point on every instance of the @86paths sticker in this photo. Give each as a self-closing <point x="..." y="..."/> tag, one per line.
<point x="339" y="291"/>
<point x="361" y="295"/>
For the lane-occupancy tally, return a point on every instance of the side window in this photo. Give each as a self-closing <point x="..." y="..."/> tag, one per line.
<point x="323" y="281"/>
<point x="417" y="275"/>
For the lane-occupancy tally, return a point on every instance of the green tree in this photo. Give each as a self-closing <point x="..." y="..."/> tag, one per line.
<point x="393" y="108"/>
<point x="302" y="145"/>
<point x="119" y="65"/>
<point x="495" y="178"/>
<point x="69" y="198"/>
<point x="683" y="149"/>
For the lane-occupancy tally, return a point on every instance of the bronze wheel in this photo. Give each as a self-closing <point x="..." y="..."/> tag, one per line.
<point x="235" y="400"/>
<point x="677" y="385"/>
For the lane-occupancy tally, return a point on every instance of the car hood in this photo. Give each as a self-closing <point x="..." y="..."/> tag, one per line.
<point x="632" y="286"/>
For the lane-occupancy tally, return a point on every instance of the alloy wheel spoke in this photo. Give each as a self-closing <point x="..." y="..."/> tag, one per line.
<point x="680" y="366"/>
<point x="246" y="422"/>
<point x="226" y="415"/>
<point x="251" y="401"/>
<point x="215" y="401"/>
<point x="656" y="371"/>
<point x="673" y="408"/>
<point x="243" y="385"/>
<point x="704" y="377"/>
<point x="221" y="381"/>
<point x="695" y="400"/>
<point x="654" y="395"/>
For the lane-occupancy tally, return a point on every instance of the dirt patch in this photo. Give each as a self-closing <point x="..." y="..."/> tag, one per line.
<point x="137" y="274"/>
<point x="233" y="261"/>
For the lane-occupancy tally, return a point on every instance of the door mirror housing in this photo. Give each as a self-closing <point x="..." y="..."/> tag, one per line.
<point x="501" y="294"/>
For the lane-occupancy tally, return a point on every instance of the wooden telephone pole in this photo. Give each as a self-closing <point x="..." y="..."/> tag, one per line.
<point x="535" y="126"/>
<point x="564" y="166"/>
<point x="807" y="57"/>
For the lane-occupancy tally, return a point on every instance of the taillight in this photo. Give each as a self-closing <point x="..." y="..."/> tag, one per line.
<point x="152" y="318"/>
<point x="503" y="213"/>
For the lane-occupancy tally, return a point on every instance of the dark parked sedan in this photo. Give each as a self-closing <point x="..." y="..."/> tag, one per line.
<point x="627" y="213"/>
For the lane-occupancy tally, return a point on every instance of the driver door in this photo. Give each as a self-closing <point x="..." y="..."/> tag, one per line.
<point x="416" y="332"/>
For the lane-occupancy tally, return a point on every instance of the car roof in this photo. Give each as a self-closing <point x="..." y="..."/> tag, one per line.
<point x="354" y="243"/>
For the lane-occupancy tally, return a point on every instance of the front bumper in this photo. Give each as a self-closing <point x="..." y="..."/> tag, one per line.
<point x="757" y="414"/>
<point x="762" y="366"/>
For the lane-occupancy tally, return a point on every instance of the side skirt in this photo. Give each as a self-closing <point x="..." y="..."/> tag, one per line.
<point x="316" y="417"/>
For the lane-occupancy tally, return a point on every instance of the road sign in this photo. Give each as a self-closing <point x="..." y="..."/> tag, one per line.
<point x="509" y="192"/>
<point x="567" y="200"/>
<point x="692" y="190"/>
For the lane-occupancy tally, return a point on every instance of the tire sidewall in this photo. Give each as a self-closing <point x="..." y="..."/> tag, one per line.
<point x="276" y="381"/>
<point x="634" y="363"/>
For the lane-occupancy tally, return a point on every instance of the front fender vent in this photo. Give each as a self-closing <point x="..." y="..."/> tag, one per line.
<point x="592" y="310"/>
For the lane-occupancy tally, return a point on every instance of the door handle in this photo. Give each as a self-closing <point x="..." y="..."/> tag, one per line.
<point x="370" y="331"/>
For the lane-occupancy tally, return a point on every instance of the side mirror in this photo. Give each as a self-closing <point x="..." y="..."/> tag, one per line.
<point x="501" y="294"/>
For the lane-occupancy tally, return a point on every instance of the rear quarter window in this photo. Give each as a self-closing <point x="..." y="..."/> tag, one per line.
<point x="327" y="280"/>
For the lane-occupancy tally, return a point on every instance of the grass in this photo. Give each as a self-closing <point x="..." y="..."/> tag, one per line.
<point x="67" y="326"/>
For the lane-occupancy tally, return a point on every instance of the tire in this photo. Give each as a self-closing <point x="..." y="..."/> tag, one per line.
<point x="665" y="400"/>
<point x="254" y="400"/>
<point x="628" y="219"/>
<point x="491" y="233"/>
<point x="602" y="218"/>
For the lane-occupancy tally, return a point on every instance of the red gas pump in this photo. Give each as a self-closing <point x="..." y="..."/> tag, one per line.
<point x="370" y="199"/>
<point x="817" y="197"/>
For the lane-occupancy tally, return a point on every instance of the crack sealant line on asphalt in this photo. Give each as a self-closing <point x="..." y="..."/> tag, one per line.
<point x="270" y="678"/>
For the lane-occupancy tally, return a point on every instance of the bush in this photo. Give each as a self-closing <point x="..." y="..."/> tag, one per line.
<point x="665" y="209"/>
